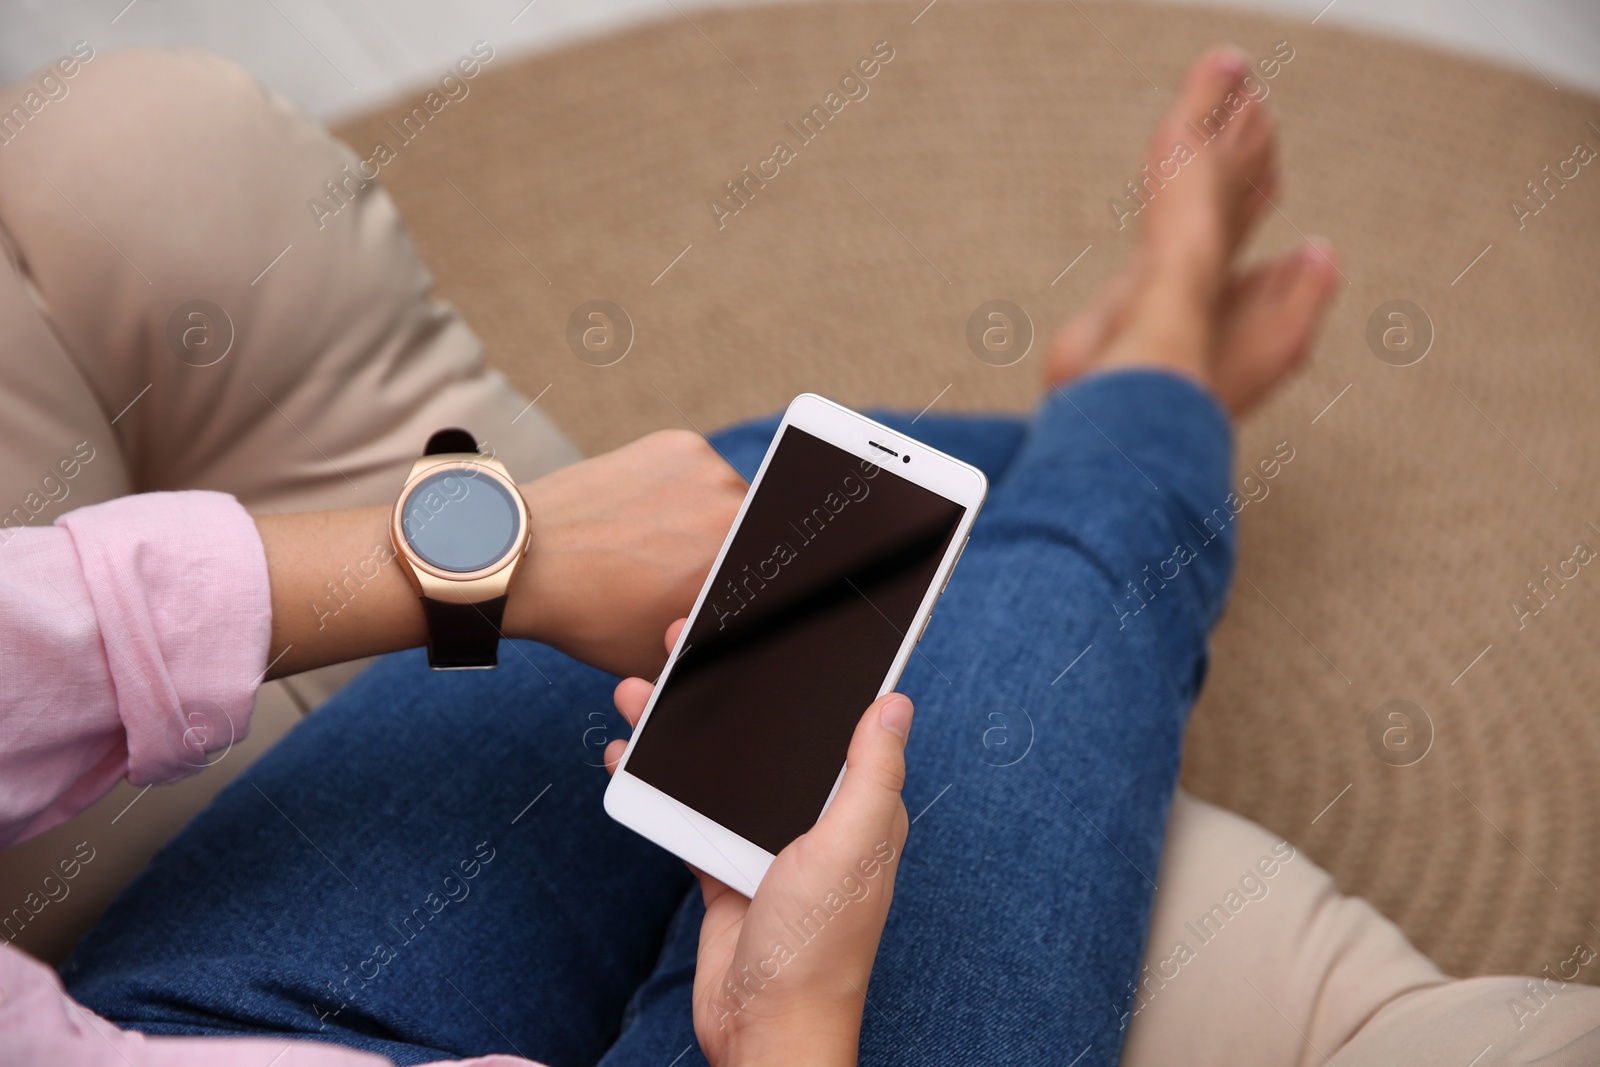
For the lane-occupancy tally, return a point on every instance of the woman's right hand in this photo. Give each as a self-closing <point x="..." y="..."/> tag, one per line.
<point x="782" y="978"/>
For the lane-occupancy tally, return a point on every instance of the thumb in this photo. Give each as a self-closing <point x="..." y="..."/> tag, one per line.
<point x="868" y="803"/>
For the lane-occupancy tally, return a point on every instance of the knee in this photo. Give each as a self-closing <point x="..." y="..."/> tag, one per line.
<point x="141" y="93"/>
<point x="90" y="91"/>
<point x="155" y="116"/>
<point x="161" y="149"/>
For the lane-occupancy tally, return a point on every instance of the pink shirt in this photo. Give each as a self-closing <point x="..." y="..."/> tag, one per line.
<point x="133" y="636"/>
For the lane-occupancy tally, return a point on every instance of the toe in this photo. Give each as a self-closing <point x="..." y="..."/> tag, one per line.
<point x="1209" y="80"/>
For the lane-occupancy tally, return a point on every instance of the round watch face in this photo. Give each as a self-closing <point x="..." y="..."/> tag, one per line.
<point x="459" y="520"/>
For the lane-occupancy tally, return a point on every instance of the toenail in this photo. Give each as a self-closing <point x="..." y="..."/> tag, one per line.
<point x="1317" y="257"/>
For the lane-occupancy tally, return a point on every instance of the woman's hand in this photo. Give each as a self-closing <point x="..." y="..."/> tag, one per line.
<point x="620" y="546"/>
<point x="783" y="978"/>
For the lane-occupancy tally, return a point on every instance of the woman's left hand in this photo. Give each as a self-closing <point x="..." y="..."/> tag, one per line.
<point x="620" y="545"/>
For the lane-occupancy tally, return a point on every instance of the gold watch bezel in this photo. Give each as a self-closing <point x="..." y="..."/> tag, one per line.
<point x="470" y="587"/>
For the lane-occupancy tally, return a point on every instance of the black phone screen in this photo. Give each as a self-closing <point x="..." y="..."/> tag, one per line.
<point x="801" y="625"/>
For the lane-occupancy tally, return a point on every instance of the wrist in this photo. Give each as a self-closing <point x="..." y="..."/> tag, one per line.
<point x="816" y="1034"/>
<point x="536" y="597"/>
<point x="809" y="1046"/>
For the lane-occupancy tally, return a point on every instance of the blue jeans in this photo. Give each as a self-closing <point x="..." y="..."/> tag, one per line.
<point x="423" y="868"/>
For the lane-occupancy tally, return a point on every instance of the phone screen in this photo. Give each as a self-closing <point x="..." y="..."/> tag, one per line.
<point x="801" y="625"/>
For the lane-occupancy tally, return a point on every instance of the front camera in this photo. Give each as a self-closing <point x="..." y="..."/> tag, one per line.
<point x="905" y="459"/>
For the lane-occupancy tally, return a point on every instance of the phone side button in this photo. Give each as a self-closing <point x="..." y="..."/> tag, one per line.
<point x="953" y="563"/>
<point x="924" y="629"/>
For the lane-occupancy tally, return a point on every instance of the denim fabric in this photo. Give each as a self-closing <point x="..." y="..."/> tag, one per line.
<point x="423" y="868"/>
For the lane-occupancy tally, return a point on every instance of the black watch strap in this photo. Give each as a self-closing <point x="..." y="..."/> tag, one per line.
<point x="463" y="636"/>
<point x="454" y="439"/>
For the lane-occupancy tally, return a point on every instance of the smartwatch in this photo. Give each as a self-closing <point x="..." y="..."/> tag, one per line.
<point x="460" y="527"/>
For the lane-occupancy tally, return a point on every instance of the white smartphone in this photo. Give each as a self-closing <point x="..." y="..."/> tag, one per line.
<point x="815" y="604"/>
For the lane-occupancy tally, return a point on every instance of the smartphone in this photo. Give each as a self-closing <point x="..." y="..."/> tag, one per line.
<point x="814" y="606"/>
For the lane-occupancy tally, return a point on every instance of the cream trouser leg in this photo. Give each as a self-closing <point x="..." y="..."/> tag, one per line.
<point x="163" y="178"/>
<point x="1256" y="958"/>
<point x="160" y="179"/>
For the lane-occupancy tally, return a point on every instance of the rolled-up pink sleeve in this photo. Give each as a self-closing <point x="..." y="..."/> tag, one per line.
<point x="133" y="635"/>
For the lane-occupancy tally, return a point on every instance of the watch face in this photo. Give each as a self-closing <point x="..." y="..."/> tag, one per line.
<point x="460" y="520"/>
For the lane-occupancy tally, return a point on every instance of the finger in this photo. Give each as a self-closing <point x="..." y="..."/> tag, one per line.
<point x="613" y="754"/>
<point x="711" y="889"/>
<point x="868" y="809"/>
<point x="630" y="697"/>
<point x="673" y="631"/>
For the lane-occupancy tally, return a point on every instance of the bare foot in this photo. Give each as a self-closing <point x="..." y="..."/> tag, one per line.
<point x="1267" y="322"/>
<point x="1176" y="305"/>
